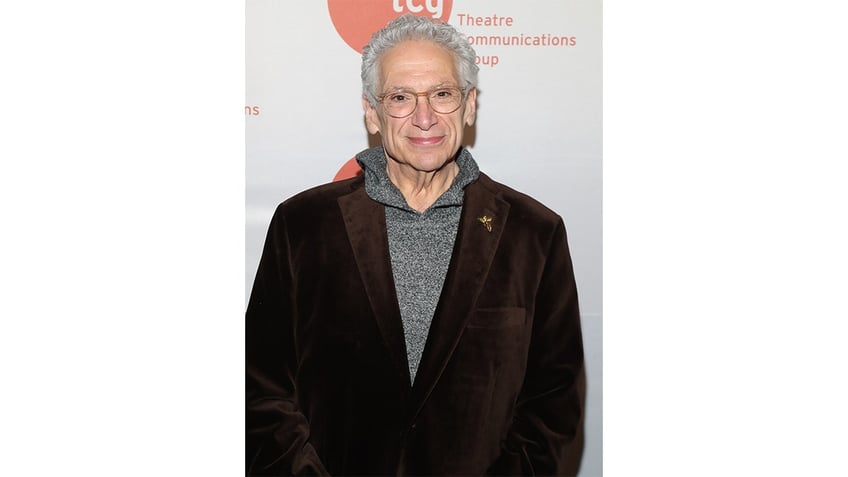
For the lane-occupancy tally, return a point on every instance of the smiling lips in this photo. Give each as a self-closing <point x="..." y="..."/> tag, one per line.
<point x="425" y="140"/>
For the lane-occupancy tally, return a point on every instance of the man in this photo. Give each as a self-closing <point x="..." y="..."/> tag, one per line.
<point x="420" y="319"/>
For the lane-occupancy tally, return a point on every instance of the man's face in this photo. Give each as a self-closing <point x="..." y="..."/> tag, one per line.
<point x="425" y="140"/>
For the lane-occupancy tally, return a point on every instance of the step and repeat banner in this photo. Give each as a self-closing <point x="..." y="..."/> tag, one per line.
<point x="538" y="125"/>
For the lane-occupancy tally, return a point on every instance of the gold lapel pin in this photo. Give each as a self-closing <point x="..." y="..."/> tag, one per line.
<point x="486" y="221"/>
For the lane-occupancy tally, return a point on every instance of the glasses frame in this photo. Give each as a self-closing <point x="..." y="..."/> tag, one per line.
<point x="426" y="94"/>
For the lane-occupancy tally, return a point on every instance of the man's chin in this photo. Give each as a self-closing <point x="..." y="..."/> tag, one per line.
<point x="430" y="164"/>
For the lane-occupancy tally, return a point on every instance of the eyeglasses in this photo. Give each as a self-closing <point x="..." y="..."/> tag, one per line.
<point x="443" y="100"/>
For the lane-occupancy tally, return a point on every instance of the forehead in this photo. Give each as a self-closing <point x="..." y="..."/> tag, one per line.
<point x="417" y="63"/>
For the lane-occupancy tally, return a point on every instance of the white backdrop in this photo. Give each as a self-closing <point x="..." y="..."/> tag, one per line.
<point x="538" y="125"/>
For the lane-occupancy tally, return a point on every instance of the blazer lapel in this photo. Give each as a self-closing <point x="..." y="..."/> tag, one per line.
<point x="365" y="221"/>
<point x="481" y="225"/>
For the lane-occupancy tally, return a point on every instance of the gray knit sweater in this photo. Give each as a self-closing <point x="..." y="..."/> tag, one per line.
<point x="420" y="243"/>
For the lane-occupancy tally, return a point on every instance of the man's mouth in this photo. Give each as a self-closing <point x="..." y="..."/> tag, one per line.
<point x="425" y="140"/>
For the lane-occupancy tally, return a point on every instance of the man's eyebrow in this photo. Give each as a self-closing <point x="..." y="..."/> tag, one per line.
<point x="405" y="88"/>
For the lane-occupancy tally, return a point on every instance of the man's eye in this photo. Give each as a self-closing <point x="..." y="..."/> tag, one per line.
<point x="443" y="93"/>
<point x="399" y="98"/>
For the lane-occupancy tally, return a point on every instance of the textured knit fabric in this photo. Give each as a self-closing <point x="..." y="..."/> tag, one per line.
<point x="420" y="243"/>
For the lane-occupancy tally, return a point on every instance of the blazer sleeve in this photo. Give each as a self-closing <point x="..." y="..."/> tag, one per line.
<point x="277" y="431"/>
<point x="545" y="437"/>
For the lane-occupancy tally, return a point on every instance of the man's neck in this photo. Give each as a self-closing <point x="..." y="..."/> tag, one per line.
<point x="421" y="189"/>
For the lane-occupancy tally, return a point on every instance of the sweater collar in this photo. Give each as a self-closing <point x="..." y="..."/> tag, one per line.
<point x="380" y="188"/>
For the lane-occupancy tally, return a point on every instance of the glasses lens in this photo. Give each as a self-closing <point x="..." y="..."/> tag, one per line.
<point x="399" y="104"/>
<point x="445" y="100"/>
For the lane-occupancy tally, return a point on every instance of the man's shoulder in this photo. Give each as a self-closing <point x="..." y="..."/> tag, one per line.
<point x="324" y="195"/>
<point x="520" y="203"/>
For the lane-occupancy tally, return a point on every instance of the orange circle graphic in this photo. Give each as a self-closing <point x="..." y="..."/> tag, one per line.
<point x="349" y="169"/>
<point x="356" y="21"/>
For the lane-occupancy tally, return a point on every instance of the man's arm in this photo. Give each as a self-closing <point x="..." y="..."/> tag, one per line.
<point x="277" y="431"/>
<point x="546" y="432"/>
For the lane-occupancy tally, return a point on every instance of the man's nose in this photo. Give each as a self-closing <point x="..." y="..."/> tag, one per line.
<point x="424" y="117"/>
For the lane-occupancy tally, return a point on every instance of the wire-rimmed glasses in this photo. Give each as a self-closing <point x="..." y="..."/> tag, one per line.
<point x="402" y="103"/>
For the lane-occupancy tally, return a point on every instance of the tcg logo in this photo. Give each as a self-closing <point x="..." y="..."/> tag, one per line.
<point x="357" y="20"/>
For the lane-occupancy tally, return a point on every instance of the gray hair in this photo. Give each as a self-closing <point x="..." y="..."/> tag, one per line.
<point x="410" y="27"/>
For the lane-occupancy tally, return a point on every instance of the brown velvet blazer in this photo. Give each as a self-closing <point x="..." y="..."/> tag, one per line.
<point x="498" y="388"/>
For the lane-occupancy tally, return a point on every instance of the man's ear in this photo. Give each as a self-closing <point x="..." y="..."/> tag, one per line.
<point x="470" y="114"/>
<point x="372" y="122"/>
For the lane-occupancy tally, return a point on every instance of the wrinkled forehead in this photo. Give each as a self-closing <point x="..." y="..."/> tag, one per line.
<point x="417" y="64"/>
